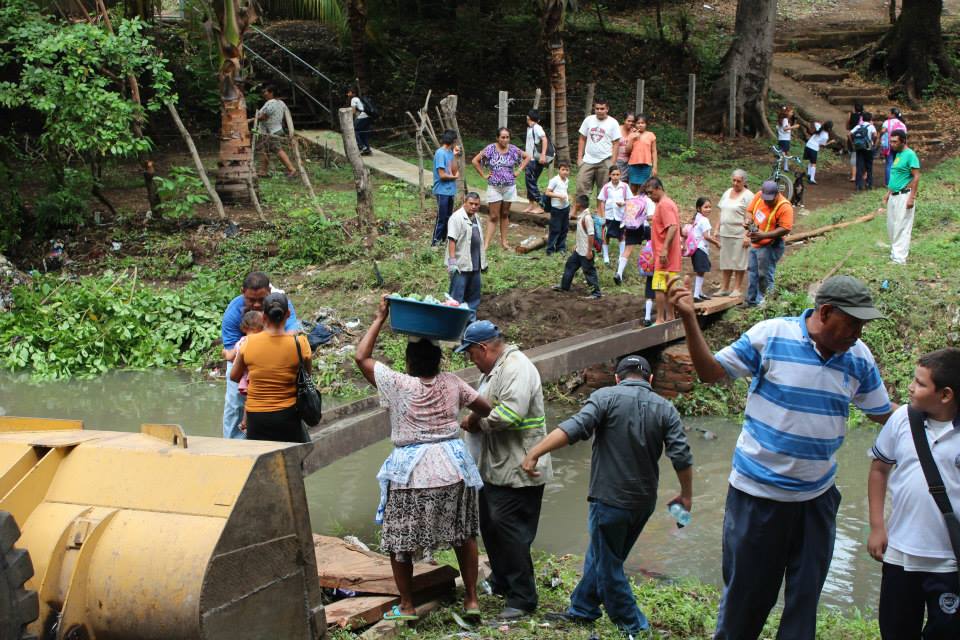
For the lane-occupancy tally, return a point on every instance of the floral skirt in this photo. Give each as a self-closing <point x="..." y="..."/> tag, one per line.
<point x="417" y="520"/>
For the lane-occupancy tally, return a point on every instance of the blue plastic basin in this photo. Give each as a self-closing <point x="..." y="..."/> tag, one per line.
<point x="426" y="320"/>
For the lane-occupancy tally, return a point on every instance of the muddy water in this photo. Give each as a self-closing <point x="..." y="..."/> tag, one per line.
<point x="343" y="496"/>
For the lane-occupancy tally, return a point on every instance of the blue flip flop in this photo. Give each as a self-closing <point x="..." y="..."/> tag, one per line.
<point x="397" y="615"/>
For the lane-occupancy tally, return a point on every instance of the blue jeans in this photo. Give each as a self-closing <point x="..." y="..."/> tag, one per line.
<point x="613" y="532"/>
<point x="761" y="270"/>
<point x="767" y="541"/>
<point x="361" y="129"/>
<point x="532" y="174"/>
<point x="233" y="403"/>
<point x="559" y="225"/>
<point x="465" y="287"/>
<point x="444" y="209"/>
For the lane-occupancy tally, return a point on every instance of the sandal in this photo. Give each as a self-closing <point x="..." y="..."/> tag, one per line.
<point x="473" y="615"/>
<point x="397" y="615"/>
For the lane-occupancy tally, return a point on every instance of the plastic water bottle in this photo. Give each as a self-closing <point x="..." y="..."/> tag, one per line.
<point x="681" y="515"/>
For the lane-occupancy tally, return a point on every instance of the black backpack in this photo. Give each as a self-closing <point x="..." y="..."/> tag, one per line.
<point x="369" y="106"/>
<point x="861" y="137"/>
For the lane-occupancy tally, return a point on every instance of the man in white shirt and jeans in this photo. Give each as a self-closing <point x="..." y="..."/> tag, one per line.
<point x="270" y="117"/>
<point x="599" y="139"/>
<point x="361" y="122"/>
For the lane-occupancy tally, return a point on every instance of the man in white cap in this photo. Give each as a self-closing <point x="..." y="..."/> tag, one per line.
<point x="771" y="218"/>
<point x="780" y="517"/>
<point x="510" y="499"/>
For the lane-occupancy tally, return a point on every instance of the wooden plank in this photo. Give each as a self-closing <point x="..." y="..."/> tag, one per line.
<point x="342" y="566"/>
<point x="15" y="423"/>
<point x="359" y="612"/>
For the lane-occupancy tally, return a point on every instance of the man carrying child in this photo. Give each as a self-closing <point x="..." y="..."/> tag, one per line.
<point x="914" y="545"/>
<point x="582" y="257"/>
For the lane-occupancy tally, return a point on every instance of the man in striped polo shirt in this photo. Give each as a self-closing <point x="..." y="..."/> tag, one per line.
<point x="781" y="508"/>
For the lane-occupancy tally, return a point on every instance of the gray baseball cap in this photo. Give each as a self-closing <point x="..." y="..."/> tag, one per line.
<point x="850" y="296"/>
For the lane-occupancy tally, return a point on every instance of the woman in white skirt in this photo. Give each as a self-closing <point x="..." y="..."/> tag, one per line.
<point x="734" y="246"/>
<point x="504" y="163"/>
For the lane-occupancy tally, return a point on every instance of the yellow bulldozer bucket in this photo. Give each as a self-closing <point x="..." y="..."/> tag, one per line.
<point x="147" y="535"/>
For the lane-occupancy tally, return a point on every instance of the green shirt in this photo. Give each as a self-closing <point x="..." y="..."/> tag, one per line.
<point x="903" y="163"/>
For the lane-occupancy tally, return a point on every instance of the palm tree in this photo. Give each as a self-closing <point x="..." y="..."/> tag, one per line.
<point x="552" y="13"/>
<point x="235" y="170"/>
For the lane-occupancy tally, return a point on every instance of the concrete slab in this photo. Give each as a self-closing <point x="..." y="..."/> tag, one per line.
<point x="810" y="105"/>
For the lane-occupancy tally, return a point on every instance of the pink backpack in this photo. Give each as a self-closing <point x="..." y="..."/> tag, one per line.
<point x="690" y="242"/>
<point x="635" y="212"/>
<point x="645" y="259"/>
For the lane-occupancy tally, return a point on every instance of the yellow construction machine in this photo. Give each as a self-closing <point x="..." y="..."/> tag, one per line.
<point x="147" y="535"/>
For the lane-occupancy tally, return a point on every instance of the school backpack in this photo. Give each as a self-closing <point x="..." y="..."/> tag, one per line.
<point x="551" y="150"/>
<point x="635" y="212"/>
<point x="599" y="232"/>
<point x="645" y="259"/>
<point x="861" y="137"/>
<point x="369" y="106"/>
<point x="893" y="124"/>
<point x="690" y="242"/>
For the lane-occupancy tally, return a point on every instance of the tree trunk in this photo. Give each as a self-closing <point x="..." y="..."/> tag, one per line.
<point x="893" y="11"/>
<point x="551" y="23"/>
<point x="749" y="59"/>
<point x="366" y="220"/>
<point x="357" y="18"/>
<point x="914" y="44"/>
<point x="234" y="166"/>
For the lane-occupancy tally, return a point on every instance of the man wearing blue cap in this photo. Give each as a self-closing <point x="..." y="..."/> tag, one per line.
<point x="631" y="426"/>
<point x="771" y="218"/>
<point x="510" y="499"/>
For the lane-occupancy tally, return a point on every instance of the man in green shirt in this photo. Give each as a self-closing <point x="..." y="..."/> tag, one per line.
<point x="901" y="196"/>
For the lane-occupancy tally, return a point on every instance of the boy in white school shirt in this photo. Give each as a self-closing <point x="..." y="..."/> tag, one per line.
<point x="919" y="562"/>
<point x="612" y="200"/>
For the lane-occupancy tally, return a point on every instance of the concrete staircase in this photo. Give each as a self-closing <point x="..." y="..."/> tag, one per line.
<point x="832" y="93"/>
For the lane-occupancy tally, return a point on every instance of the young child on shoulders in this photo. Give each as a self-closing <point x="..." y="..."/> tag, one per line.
<point x="611" y="202"/>
<point x="582" y="257"/>
<point x="699" y="236"/>
<point x="557" y="191"/>
<point x="919" y="562"/>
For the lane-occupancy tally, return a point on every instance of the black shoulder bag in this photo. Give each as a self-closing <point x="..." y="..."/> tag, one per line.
<point x="934" y="479"/>
<point x="308" y="398"/>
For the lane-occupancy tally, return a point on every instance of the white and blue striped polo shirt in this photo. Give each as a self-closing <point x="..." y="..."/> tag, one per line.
<point x="797" y="407"/>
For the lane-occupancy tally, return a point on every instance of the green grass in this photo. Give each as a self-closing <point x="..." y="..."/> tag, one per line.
<point x="684" y="609"/>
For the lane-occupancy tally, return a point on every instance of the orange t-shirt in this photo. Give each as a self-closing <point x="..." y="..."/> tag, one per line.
<point x="768" y="218"/>
<point x="642" y="152"/>
<point x="272" y="364"/>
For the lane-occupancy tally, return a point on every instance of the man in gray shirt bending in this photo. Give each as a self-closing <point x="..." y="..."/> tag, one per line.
<point x="632" y="425"/>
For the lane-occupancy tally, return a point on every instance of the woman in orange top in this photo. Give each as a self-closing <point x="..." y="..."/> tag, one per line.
<point x="642" y="147"/>
<point x="272" y="361"/>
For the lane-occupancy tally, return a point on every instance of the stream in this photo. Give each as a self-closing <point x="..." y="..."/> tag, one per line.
<point x="344" y="495"/>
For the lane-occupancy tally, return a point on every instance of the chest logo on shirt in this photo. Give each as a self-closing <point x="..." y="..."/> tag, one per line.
<point x="949" y="602"/>
<point x="597" y="134"/>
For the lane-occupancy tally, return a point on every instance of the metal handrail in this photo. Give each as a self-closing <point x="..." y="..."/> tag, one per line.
<point x="293" y="55"/>
<point x="292" y="82"/>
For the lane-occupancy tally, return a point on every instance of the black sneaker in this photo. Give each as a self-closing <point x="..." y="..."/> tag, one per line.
<point x="595" y="296"/>
<point x="617" y="279"/>
<point x="648" y="322"/>
<point x="563" y="616"/>
<point x="557" y="287"/>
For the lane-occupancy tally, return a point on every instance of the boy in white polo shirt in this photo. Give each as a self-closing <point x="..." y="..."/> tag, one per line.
<point x="919" y="563"/>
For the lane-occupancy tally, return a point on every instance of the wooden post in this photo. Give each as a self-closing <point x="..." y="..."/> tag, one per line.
<point x="251" y="188"/>
<point x="732" y="105"/>
<point x="443" y="122"/>
<point x="536" y="99"/>
<point x="553" y="125"/>
<point x="449" y="107"/>
<point x="420" y="143"/>
<point x="214" y="198"/>
<point x="639" y="102"/>
<point x="361" y="177"/>
<point x="291" y="132"/>
<point x="502" y="110"/>
<point x="588" y="108"/>
<point x="691" y="107"/>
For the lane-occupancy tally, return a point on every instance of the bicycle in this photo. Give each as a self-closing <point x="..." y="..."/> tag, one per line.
<point x="787" y="184"/>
